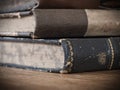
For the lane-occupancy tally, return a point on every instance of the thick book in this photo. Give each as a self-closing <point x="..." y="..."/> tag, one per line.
<point x="61" y="23"/>
<point x="80" y="4"/>
<point x="61" y="55"/>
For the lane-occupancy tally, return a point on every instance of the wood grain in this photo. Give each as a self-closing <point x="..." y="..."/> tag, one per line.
<point x="19" y="79"/>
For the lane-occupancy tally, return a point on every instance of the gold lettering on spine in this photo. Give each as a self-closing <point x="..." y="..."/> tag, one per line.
<point x="102" y="58"/>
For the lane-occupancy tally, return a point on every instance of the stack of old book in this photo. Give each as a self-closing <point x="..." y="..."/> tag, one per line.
<point x="60" y="40"/>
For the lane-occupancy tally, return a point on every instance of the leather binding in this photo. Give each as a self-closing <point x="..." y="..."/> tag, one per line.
<point x="80" y="55"/>
<point x="57" y="23"/>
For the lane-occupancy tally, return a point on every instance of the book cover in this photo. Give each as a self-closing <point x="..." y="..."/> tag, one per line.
<point x="62" y="55"/>
<point x="63" y="23"/>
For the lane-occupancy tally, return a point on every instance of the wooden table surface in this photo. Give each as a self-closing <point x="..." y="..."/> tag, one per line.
<point x="19" y="79"/>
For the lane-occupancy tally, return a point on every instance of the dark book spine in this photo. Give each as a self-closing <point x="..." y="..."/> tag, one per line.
<point x="68" y="23"/>
<point x="91" y="54"/>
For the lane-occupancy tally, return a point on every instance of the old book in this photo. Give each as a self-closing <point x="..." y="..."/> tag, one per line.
<point x="9" y="6"/>
<point x="11" y="23"/>
<point x="61" y="55"/>
<point x="80" y="4"/>
<point x="61" y="23"/>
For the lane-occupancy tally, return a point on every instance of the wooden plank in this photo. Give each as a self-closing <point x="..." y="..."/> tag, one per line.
<point x="19" y="79"/>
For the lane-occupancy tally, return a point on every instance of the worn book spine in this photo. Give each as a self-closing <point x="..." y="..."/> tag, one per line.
<point x="93" y="54"/>
<point x="69" y="23"/>
<point x="63" y="55"/>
